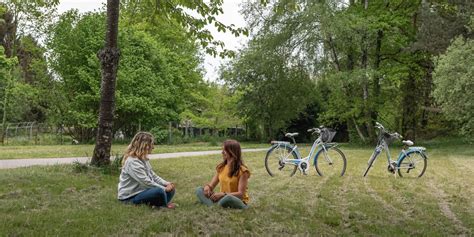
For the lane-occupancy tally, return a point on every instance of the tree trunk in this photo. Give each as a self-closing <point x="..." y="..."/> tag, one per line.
<point x="428" y="65"/>
<point x="365" y="88"/>
<point x="378" y="59"/>
<point x="269" y="131"/>
<point x="334" y="53"/>
<point x="350" y="56"/>
<point x="409" y="106"/>
<point x="359" y="132"/>
<point x="4" y="115"/>
<point x="8" y="38"/>
<point x="109" y="58"/>
<point x="365" y="83"/>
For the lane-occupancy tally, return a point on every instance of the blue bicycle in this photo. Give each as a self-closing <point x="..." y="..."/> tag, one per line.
<point x="283" y="158"/>
<point x="411" y="162"/>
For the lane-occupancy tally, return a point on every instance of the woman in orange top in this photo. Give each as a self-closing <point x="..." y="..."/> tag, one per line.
<point x="233" y="177"/>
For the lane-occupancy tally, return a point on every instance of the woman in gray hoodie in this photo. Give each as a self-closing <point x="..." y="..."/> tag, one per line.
<point x="138" y="183"/>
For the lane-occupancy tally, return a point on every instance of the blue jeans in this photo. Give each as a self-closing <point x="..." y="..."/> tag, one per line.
<point x="152" y="196"/>
<point x="226" y="201"/>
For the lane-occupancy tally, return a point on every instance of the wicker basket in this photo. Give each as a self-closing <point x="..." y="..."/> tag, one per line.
<point x="390" y="138"/>
<point x="327" y="134"/>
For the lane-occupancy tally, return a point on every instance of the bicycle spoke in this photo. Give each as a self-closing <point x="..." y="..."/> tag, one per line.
<point x="331" y="163"/>
<point x="276" y="164"/>
<point x="413" y="165"/>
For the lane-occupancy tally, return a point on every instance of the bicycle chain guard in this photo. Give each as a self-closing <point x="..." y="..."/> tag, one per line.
<point x="392" y="167"/>
<point x="303" y="167"/>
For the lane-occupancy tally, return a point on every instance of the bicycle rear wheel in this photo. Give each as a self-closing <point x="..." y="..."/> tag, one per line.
<point x="274" y="161"/>
<point x="330" y="163"/>
<point x="412" y="165"/>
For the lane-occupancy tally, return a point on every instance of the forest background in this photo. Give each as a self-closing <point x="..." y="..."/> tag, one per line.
<point x="344" y="64"/>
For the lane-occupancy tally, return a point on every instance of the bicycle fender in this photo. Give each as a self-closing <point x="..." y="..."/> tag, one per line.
<point x="327" y="146"/>
<point x="412" y="150"/>
<point x="416" y="148"/>
<point x="289" y="147"/>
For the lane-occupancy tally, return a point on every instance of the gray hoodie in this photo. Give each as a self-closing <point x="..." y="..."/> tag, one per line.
<point x="136" y="177"/>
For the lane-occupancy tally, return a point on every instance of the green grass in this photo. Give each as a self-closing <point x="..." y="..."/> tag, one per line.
<point x="56" y="201"/>
<point x="56" y="151"/>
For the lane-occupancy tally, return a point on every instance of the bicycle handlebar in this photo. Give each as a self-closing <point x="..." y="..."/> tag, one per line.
<point x="314" y="130"/>
<point x="381" y="127"/>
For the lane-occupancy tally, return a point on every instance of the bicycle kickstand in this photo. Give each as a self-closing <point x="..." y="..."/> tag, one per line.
<point x="303" y="172"/>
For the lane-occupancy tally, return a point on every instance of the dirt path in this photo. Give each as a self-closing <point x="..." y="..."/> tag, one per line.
<point x="16" y="163"/>
<point x="446" y="210"/>
<point x="344" y="203"/>
<point x="387" y="206"/>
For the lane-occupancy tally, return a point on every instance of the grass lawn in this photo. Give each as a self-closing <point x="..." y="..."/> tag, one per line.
<point x="56" y="151"/>
<point x="56" y="201"/>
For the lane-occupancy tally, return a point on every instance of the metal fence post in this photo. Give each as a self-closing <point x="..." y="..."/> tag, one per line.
<point x="169" y="132"/>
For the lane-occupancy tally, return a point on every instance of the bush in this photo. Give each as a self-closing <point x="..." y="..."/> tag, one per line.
<point x="161" y="135"/>
<point x="454" y="87"/>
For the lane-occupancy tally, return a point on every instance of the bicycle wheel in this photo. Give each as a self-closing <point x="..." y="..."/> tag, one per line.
<point x="330" y="163"/>
<point x="412" y="165"/>
<point x="370" y="163"/>
<point x="274" y="161"/>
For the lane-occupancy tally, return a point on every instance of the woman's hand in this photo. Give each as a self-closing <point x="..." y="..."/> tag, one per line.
<point x="170" y="187"/>
<point x="217" y="196"/>
<point x="208" y="191"/>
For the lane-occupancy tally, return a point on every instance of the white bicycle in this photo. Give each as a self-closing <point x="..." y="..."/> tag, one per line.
<point x="283" y="158"/>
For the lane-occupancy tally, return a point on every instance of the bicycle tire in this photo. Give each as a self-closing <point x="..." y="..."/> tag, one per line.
<point x="424" y="158"/>
<point x="333" y="157"/>
<point x="271" y="171"/>
<point x="371" y="162"/>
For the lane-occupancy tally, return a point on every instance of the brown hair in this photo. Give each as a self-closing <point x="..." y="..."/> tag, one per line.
<point x="140" y="146"/>
<point x="232" y="148"/>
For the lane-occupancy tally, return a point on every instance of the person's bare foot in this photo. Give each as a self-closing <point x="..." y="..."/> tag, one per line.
<point x="171" y="205"/>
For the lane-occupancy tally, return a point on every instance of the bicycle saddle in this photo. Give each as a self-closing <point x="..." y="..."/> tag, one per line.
<point x="291" y="134"/>
<point x="408" y="142"/>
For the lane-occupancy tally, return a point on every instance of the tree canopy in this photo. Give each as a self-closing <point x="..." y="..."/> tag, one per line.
<point x="454" y="83"/>
<point x="367" y="61"/>
<point x="342" y="64"/>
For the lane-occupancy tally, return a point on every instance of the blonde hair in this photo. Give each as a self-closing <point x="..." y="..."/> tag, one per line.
<point x="140" y="146"/>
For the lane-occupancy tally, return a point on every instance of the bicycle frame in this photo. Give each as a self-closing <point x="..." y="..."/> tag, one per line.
<point x="383" y="146"/>
<point x="312" y="154"/>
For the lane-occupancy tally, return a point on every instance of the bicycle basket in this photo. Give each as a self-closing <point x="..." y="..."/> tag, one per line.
<point x="389" y="138"/>
<point x="327" y="134"/>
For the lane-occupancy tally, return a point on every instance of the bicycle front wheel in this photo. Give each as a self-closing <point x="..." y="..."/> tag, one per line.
<point x="412" y="165"/>
<point x="331" y="162"/>
<point x="275" y="161"/>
